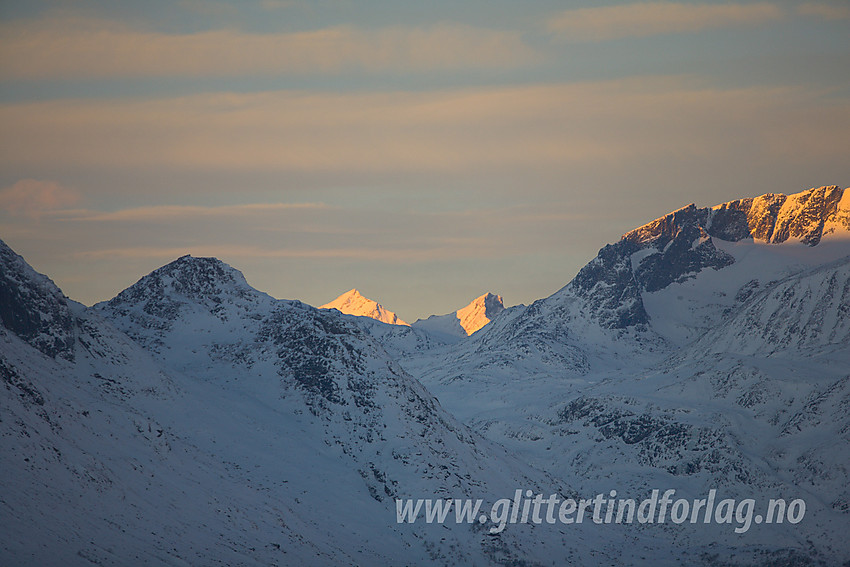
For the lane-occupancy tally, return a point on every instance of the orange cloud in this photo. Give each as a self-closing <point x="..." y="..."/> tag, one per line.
<point x="655" y="18"/>
<point x="92" y="48"/>
<point x="540" y="126"/>
<point x="825" y="11"/>
<point x="182" y="212"/>
<point x="448" y="250"/>
<point x="32" y="198"/>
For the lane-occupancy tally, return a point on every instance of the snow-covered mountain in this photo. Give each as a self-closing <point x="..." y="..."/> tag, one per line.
<point x="352" y="303"/>
<point x="234" y="428"/>
<point x="466" y="320"/>
<point x="708" y="348"/>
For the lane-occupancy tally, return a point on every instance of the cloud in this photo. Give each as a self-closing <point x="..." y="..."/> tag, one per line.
<point x="33" y="198"/>
<point x="656" y="18"/>
<point x="208" y="7"/>
<point x="276" y="4"/>
<point x="540" y="127"/>
<point x="397" y="255"/>
<point x="73" y="48"/>
<point x="307" y="232"/>
<point x="182" y="212"/>
<point x="825" y="11"/>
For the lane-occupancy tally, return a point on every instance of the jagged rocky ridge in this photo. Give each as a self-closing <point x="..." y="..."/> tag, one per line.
<point x="679" y="245"/>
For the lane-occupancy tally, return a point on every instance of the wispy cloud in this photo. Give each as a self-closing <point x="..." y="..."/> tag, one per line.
<point x="208" y="7"/>
<point x="73" y="48"/>
<point x="393" y="255"/>
<point x="835" y="11"/>
<point x="310" y="232"/>
<point x="171" y="212"/>
<point x="655" y="18"/>
<point x="588" y="125"/>
<point x="276" y="4"/>
<point x="33" y="198"/>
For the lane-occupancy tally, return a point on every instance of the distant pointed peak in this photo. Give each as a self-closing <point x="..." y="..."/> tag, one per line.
<point x="353" y="303"/>
<point x="491" y="302"/>
<point x="479" y="312"/>
<point x="489" y="297"/>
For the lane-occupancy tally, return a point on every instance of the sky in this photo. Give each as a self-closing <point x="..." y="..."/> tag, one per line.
<point x="424" y="153"/>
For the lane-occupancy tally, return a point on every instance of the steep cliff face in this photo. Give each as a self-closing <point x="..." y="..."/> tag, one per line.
<point x="777" y="218"/>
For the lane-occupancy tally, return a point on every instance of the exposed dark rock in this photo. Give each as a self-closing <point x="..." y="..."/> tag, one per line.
<point x="33" y="308"/>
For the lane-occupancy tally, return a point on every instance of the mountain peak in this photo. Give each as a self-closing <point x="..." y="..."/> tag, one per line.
<point x="353" y="303"/>
<point x="193" y="277"/>
<point x="479" y="312"/>
<point x="466" y="320"/>
<point x="660" y="231"/>
<point x="184" y="285"/>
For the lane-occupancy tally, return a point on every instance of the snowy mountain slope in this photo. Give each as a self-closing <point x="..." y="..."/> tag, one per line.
<point x="401" y="342"/>
<point x="750" y="427"/>
<point x="466" y="320"/>
<point x="684" y="311"/>
<point x="806" y="312"/>
<point x="352" y="303"/>
<point x="192" y="476"/>
<point x="289" y="452"/>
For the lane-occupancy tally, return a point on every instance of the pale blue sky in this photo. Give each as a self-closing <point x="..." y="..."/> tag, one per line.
<point x="423" y="152"/>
